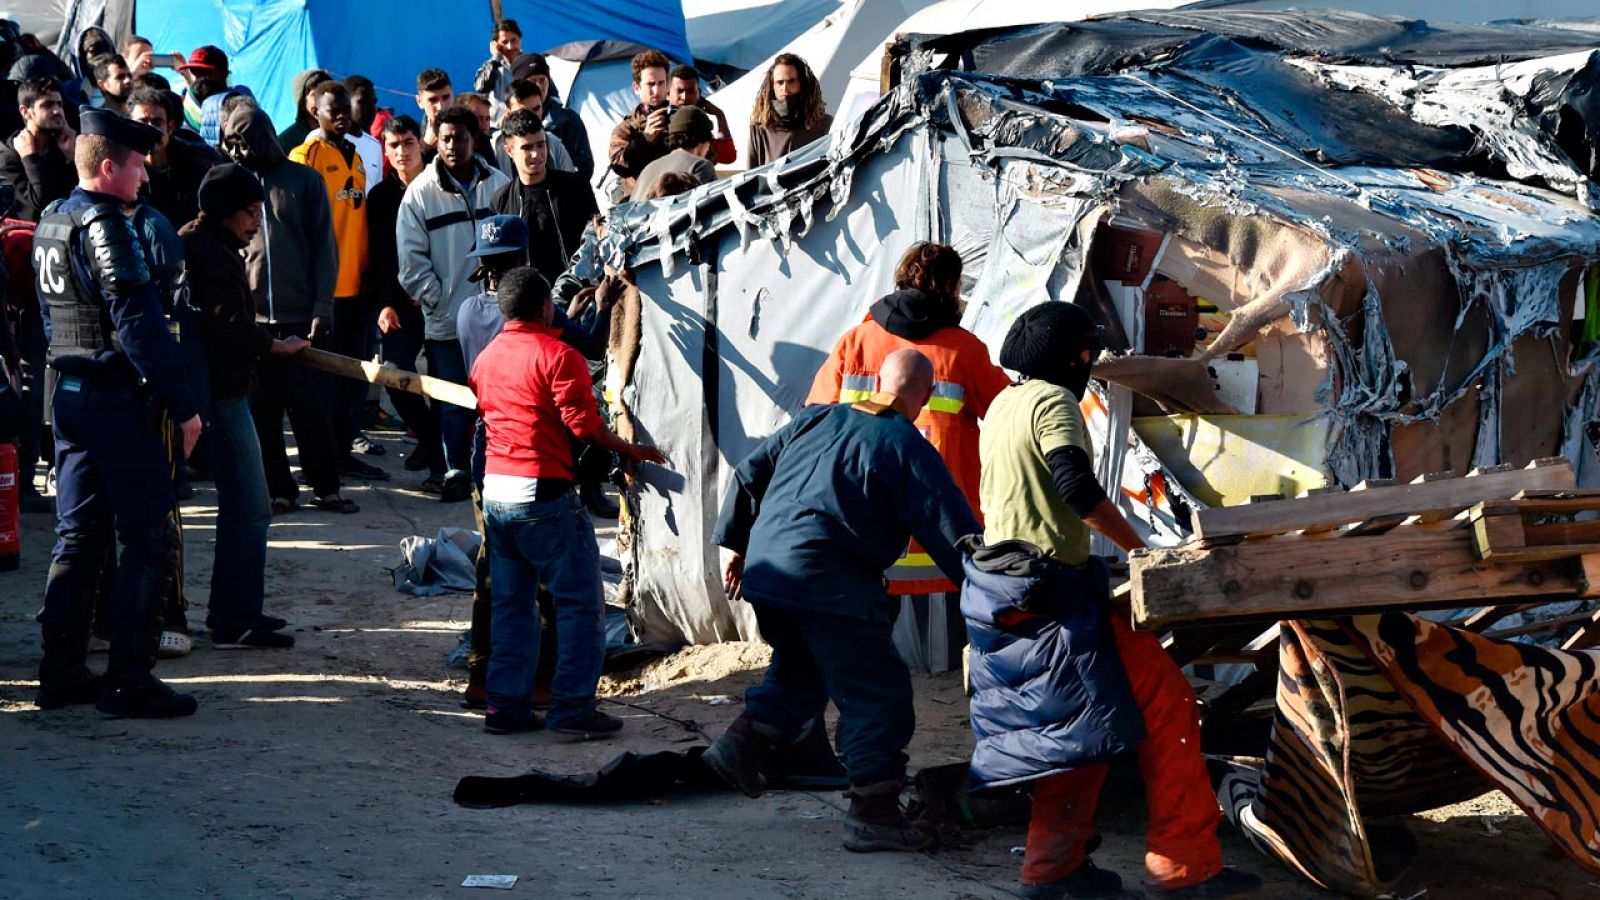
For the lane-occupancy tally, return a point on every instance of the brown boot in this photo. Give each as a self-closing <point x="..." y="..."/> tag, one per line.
<point x="876" y="822"/>
<point x="737" y="755"/>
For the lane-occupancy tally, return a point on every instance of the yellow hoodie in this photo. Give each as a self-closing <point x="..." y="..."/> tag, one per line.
<point x="347" y="195"/>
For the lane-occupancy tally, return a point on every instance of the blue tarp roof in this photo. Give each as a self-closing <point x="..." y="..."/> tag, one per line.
<point x="269" y="41"/>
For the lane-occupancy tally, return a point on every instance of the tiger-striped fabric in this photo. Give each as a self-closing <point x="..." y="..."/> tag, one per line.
<point x="1387" y="715"/>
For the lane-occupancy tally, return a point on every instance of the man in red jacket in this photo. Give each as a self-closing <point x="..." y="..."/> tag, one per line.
<point x="535" y="397"/>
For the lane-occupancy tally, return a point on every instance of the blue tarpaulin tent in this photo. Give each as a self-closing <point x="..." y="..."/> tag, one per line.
<point x="268" y="41"/>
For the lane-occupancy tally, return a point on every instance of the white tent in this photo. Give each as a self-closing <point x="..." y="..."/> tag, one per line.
<point x="744" y="33"/>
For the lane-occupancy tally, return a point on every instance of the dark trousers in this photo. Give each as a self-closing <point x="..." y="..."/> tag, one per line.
<point x="285" y="384"/>
<point x="401" y="347"/>
<point x="113" y="477"/>
<point x="817" y="657"/>
<point x="33" y="441"/>
<point x="346" y="398"/>
<point x="455" y="423"/>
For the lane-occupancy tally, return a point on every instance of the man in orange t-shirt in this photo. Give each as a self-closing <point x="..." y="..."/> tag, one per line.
<point x="924" y="313"/>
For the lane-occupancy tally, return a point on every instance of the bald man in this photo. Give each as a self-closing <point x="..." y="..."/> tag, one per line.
<point x="813" y="518"/>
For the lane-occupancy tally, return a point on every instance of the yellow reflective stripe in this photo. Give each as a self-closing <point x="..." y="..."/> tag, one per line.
<point x="914" y="567"/>
<point x="948" y="397"/>
<point x="852" y="396"/>
<point x="855" y="388"/>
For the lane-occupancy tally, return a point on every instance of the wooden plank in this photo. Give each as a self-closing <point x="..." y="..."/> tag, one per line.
<point x="1545" y="503"/>
<point x="1425" y="498"/>
<point x="1483" y="618"/>
<point x="1291" y="578"/>
<point x="389" y="376"/>
<point x="1496" y="536"/>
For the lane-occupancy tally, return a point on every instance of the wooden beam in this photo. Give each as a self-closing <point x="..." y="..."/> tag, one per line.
<point x="1428" y="498"/>
<point x="389" y="376"/>
<point x="1290" y="578"/>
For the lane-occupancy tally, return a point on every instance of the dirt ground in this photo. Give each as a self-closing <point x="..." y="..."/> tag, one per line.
<point x="326" y="771"/>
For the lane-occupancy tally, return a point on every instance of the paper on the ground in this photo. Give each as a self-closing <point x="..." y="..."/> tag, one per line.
<point x="502" y="882"/>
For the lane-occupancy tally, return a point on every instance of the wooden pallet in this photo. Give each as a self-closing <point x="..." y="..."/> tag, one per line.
<point x="1379" y="546"/>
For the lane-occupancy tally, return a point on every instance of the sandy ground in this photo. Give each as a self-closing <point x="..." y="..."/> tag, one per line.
<point x="327" y="770"/>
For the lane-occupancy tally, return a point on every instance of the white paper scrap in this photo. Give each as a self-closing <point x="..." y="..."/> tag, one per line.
<point x="499" y="882"/>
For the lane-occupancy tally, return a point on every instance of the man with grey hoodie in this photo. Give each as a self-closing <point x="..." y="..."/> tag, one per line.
<point x="293" y="265"/>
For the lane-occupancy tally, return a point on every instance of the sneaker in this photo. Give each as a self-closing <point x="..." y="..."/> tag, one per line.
<point x="173" y="645"/>
<point x="875" y="821"/>
<point x="1087" y="882"/>
<point x="255" y="637"/>
<point x="55" y="694"/>
<point x="1229" y="882"/>
<point x="149" y="699"/>
<point x="367" y="446"/>
<point x="591" y="726"/>
<point x="455" y="490"/>
<point x="355" y="468"/>
<point x="498" y="721"/>
<point x="433" y="484"/>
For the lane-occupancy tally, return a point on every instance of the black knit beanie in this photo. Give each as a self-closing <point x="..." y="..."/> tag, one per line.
<point x="1047" y="342"/>
<point x="226" y="189"/>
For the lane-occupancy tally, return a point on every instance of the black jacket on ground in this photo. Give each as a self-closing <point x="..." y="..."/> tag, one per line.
<point x="39" y="178"/>
<point x="219" y="289"/>
<point x="571" y="207"/>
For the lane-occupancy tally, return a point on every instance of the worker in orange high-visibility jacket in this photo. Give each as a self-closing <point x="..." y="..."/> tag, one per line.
<point x="923" y="313"/>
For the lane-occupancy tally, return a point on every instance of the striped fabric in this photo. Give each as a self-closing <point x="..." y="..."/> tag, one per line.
<point x="1361" y="706"/>
<point x="856" y="388"/>
<point x="948" y="397"/>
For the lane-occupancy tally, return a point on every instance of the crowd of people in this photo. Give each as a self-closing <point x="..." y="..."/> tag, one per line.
<point x="171" y="251"/>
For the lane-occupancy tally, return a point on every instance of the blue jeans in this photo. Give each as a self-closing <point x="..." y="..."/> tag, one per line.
<point x="817" y="657"/>
<point x="552" y="542"/>
<point x="243" y="513"/>
<point x="455" y="422"/>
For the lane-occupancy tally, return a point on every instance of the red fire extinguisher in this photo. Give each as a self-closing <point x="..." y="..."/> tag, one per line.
<point x="10" y="514"/>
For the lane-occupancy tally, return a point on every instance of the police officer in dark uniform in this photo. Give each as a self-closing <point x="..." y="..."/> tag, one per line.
<point x="114" y="368"/>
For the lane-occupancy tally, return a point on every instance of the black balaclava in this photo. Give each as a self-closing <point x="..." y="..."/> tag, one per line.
<point x="1047" y="343"/>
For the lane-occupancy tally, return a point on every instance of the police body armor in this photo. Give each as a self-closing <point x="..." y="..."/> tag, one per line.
<point x="80" y="322"/>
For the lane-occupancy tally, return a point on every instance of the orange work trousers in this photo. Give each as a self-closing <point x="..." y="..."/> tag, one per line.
<point x="1181" y="846"/>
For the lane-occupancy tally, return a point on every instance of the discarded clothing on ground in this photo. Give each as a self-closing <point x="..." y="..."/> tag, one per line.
<point x="437" y="565"/>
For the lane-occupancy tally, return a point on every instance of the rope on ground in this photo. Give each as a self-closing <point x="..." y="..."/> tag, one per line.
<point x="687" y="724"/>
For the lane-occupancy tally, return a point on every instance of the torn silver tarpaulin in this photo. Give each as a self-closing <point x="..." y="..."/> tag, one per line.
<point x="1416" y="300"/>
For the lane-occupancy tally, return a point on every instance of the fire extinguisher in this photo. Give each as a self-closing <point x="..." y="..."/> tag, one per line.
<point x="10" y="513"/>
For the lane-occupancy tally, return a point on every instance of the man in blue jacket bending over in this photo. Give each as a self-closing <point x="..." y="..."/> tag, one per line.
<point x="813" y="518"/>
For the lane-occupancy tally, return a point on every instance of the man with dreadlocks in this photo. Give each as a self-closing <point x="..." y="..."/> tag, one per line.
<point x="789" y="112"/>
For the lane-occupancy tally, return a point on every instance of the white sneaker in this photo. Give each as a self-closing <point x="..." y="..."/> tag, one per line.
<point x="173" y="645"/>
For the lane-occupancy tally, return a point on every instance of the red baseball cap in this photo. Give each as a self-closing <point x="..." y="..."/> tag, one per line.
<point x="207" y="58"/>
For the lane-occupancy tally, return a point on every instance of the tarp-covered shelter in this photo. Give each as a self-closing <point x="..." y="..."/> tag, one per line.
<point x="1325" y="250"/>
<point x="269" y="41"/>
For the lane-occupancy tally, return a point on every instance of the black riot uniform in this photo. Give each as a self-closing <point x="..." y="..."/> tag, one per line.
<point x="113" y="367"/>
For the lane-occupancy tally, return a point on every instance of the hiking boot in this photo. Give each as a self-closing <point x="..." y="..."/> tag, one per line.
<point x="596" y="502"/>
<point x="504" y="721"/>
<point x="1229" y="882"/>
<point x="78" y="691"/>
<point x="591" y="726"/>
<point x="258" y="637"/>
<point x="876" y="822"/>
<point x="736" y="756"/>
<point x="1087" y="882"/>
<point x="148" y="699"/>
<point x="355" y="468"/>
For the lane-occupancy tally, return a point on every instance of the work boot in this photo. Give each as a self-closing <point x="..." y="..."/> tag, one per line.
<point x="1229" y="882"/>
<point x="595" y="500"/>
<point x="147" y="699"/>
<point x="79" y="690"/>
<point x="876" y="822"/>
<point x="1087" y="882"/>
<point x="737" y="755"/>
